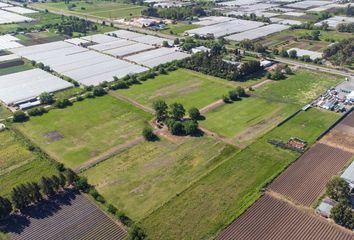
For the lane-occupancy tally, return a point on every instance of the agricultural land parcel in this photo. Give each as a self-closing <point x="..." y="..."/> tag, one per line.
<point x="221" y="196"/>
<point x="95" y="9"/>
<point x="190" y="88"/>
<point x="19" y="165"/>
<point x="86" y="129"/>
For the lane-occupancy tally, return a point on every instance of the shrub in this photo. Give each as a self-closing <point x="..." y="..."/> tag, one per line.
<point x="63" y="103"/>
<point x="149" y="134"/>
<point x="112" y="209"/>
<point x="36" y="111"/>
<point x="20" y="116"/>
<point x="82" y="184"/>
<point x="99" y="91"/>
<point x="194" y="113"/>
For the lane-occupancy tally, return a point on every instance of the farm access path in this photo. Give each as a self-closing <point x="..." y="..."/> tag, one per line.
<point x="285" y="210"/>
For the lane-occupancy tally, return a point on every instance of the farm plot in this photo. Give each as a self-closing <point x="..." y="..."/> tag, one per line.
<point x="139" y="38"/>
<point x="86" y="129"/>
<point x="300" y="88"/>
<point x="69" y="215"/>
<point x="147" y="175"/>
<point x="97" y="9"/>
<point x="15" y="69"/>
<point x="190" y="88"/>
<point x="225" y="193"/>
<point x="259" y="114"/>
<point x="304" y="181"/>
<point x="273" y="219"/>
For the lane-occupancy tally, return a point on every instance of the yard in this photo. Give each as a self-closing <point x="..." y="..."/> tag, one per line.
<point x="86" y="129"/>
<point x="190" y="88"/>
<point x="19" y="165"/>
<point x="96" y="9"/>
<point x="178" y="28"/>
<point x="217" y="199"/>
<point x="144" y="177"/>
<point x="300" y="88"/>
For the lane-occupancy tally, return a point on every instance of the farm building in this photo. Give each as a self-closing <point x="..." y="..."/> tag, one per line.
<point x="19" y="10"/>
<point x="225" y="28"/>
<point x="302" y="52"/>
<point x="257" y="33"/>
<point x="7" y="42"/>
<point x="80" y="64"/>
<point x="333" y="22"/>
<point x="139" y="38"/>
<point x="26" y="86"/>
<point x="9" y="17"/>
<point x="348" y="175"/>
<point x="324" y="209"/>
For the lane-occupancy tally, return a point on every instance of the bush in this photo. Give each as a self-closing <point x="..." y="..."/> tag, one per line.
<point x="36" y="111"/>
<point x="177" y="128"/>
<point x="194" y="113"/>
<point x="99" y="91"/>
<point x="233" y="95"/>
<point x="226" y="99"/>
<point x="136" y="233"/>
<point x="82" y="184"/>
<point x="63" y="103"/>
<point x="149" y="134"/>
<point x="120" y="84"/>
<point x="190" y="127"/>
<point x="112" y="209"/>
<point x="46" y="98"/>
<point x="20" y="116"/>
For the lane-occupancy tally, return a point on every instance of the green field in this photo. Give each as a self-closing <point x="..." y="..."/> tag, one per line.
<point x="216" y="200"/>
<point x="190" y="88"/>
<point x="39" y="38"/>
<point x="144" y="177"/>
<point x="178" y="28"/>
<point x="231" y="119"/>
<point x="96" y="9"/>
<point x="4" y="112"/>
<point x="15" y="69"/>
<point x="19" y="165"/>
<point x="86" y="129"/>
<point x="300" y="88"/>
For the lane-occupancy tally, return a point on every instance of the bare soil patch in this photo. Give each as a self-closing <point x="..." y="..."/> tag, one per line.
<point x="53" y="136"/>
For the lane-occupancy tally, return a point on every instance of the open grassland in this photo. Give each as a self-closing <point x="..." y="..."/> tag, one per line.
<point x="144" y="177"/>
<point x="217" y="199"/>
<point x="299" y="88"/>
<point x="86" y="129"/>
<point x="13" y="153"/>
<point x="190" y="88"/>
<point x="178" y="28"/>
<point x="15" y="69"/>
<point x="231" y="119"/>
<point x="19" y="165"/>
<point x="98" y="9"/>
<point x="4" y="112"/>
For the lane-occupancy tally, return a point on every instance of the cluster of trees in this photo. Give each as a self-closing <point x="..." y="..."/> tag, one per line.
<point x="252" y="46"/>
<point x="293" y="55"/>
<point x="314" y="35"/>
<point x="234" y="95"/>
<point x="212" y="63"/>
<point x="27" y="194"/>
<point x="341" y="53"/>
<point x="72" y="24"/>
<point x="173" y="117"/>
<point x="346" y="27"/>
<point x="338" y="190"/>
<point x="279" y="73"/>
<point x="348" y="11"/>
<point x="175" y="13"/>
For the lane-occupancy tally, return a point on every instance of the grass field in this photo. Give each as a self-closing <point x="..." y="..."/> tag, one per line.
<point x="231" y="119"/>
<point x="178" y="28"/>
<point x="4" y="112"/>
<point x="19" y="165"/>
<point x="86" y="129"/>
<point x="190" y="88"/>
<point x="144" y="177"/>
<point x="299" y="88"/>
<point x="39" y="38"/>
<point x="68" y="93"/>
<point x="15" y="69"/>
<point x="97" y="9"/>
<point x="217" y="199"/>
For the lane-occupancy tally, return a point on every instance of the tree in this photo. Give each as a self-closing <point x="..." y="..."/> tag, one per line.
<point x="284" y="53"/>
<point x="46" y="98"/>
<point x="240" y="91"/>
<point x="176" y="41"/>
<point x="20" y="116"/>
<point x="136" y="233"/>
<point x="293" y="54"/>
<point x="278" y="74"/>
<point x="36" y="191"/>
<point x="5" y="207"/>
<point x="47" y="186"/>
<point x="233" y="95"/>
<point x="343" y="215"/>
<point x="17" y="198"/>
<point x="338" y="189"/>
<point x="56" y="182"/>
<point x="99" y="91"/>
<point x="177" y="128"/>
<point x="160" y="108"/>
<point x="165" y="44"/>
<point x="70" y="176"/>
<point x="149" y="134"/>
<point x="82" y="184"/>
<point x="190" y="127"/>
<point x="194" y="113"/>
<point x="177" y="111"/>
<point x="62" y="180"/>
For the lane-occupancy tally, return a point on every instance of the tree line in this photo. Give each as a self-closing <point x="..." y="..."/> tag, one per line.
<point x="175" y="13"/>
<point x="341" y="53"/>
<point x="212" y="63"/>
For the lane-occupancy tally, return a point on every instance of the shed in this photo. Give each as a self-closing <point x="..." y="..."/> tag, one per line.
<point x="324" y="209"/>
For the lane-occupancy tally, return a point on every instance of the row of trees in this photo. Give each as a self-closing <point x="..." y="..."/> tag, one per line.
<point x="72" y="24"/>
<point x="213" y="64"/>
<point x="341" y="53"/>
<point x="175" y="13"/>
<point x="27" y="194"/>
<point x="234" y="95"/>
<point x="338" y="190"/>
<point x="345" y="27"/>
<point x="173" y="116"/>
